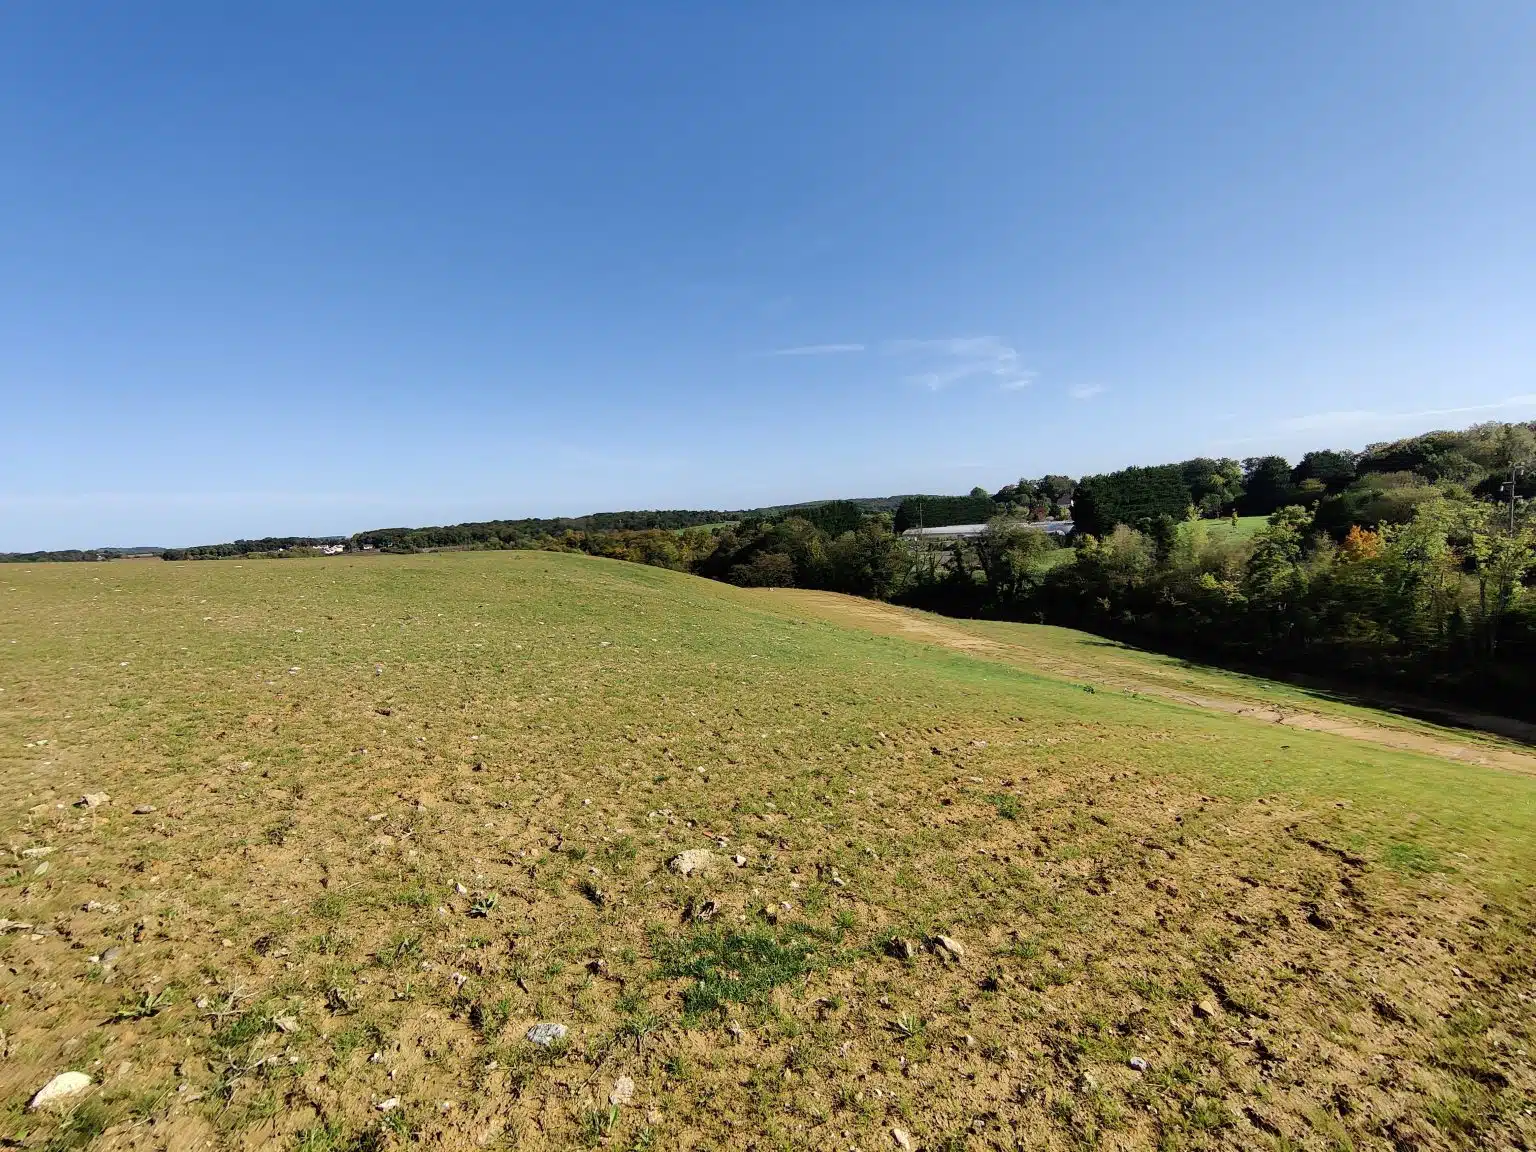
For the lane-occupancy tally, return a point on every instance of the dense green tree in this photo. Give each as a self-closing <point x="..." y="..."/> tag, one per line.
<point x="1057" y="489"/>
<point x="868" y="562"/>
<point x="1010" y="555"/>
<point x="765" y="570"/>
<point x="1129" y="496"/>
<point x="1266" y="485"/>
<point x="1214" y="485"/>
<point x="834" y="517"/>
<point x="939" y="511"/>
<point x="1333" y="469"/>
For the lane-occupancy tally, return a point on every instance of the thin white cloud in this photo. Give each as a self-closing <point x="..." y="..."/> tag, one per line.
<point x="1086" y="391"/>
<point x="1358" y="416"/>
<point x="954" y="359"/>
<point x="817" y="350"/>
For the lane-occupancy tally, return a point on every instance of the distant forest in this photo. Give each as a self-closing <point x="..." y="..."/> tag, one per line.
<point x="1408" y="564"/>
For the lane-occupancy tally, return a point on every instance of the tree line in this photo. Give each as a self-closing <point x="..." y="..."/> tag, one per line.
<point x="267" y="546"/>
<point x="1408" y="563"/>
<point x="75" y="555"/>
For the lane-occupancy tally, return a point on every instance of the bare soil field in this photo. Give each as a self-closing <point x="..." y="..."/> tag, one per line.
<point x="302" y="854"/>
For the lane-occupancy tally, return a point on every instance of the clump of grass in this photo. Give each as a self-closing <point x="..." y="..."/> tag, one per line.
<point x="245" y="1028"/>
<point x="1007" y="806"/>
<point x="364" y="1035"/>
<point x="405" y="948"/>
<point x="620" y="853"/>
<point x="416" y="896"/>
<point x="330" y="907"/>
<point x="329" y="943"/>
<point x="735" y="967"/>
<point x="321" y="1138"/>
<point x="597" y="1123"/>
<point x="148" y="1004"/>
<point x="81" y="1126"/>
<point x="1022" y="949"/>
<point x="490" y="1019"/>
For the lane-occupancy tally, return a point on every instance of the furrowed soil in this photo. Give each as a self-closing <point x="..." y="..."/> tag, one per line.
<point x="369" y="820"/>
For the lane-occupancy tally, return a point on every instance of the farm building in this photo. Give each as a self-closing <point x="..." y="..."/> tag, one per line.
<point x="947" y="531"/>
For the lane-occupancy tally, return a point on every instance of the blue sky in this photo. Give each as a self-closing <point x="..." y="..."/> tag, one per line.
<point x="313" y="268"/>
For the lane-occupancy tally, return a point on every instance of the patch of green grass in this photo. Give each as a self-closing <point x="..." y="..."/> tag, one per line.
<point x="1411" y="859"/>
<point x="332" y="1137"/>
<point x="1007" y="806"/>
<point x="330" y="907"/>
<point x="598" y="1124"/>
<point x="363" y="1034"/>
<point x="490" y="1019"/>
<point x="403" y="950"/>
<point x="415" y="896"/>
<point x="730" y="966"/>
<point x="620" y="854"/>
<point x="80" y="1127"/>
<point x="243" y="1029"/>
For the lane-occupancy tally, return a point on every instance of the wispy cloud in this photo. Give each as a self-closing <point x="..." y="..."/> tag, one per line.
<point x="817" y="350"/>
<point x="942" y="363"/>
<point x="1360" y="416"/>
<point x="1086" y="391"/>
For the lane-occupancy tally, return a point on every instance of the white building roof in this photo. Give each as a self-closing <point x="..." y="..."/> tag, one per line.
<point x="1049" y="527"/>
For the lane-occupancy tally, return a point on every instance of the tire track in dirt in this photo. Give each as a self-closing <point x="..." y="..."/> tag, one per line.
<point x="890" y="620"/>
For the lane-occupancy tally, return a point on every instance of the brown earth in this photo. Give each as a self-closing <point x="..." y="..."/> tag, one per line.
<point x="385" y="846"/>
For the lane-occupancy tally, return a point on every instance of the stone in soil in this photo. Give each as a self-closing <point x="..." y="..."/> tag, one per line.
<point x="64" y="1086"/>
<point x="623" y="1091"/>
<point x="546" y="1034"/>
<point x="691" y="861"/>
<point x="949" y="948"/>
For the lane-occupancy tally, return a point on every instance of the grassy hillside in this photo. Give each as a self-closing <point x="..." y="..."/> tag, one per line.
<point x="372" y="818"/>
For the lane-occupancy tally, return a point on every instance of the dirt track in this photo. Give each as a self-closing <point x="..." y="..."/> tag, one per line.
<point x="889" y="619"/>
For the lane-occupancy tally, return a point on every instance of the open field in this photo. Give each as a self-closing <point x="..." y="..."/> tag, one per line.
<point x="1099" y="663"/>
<point x="394" y="811"/>
<point x="1222" y="528"/>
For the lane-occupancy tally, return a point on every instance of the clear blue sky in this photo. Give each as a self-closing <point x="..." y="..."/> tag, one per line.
<point x="313" y="268"/>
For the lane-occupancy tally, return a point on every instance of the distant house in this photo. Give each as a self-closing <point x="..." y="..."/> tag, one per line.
<point x="950" y="531"/>
<point x="333" y="549"/>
